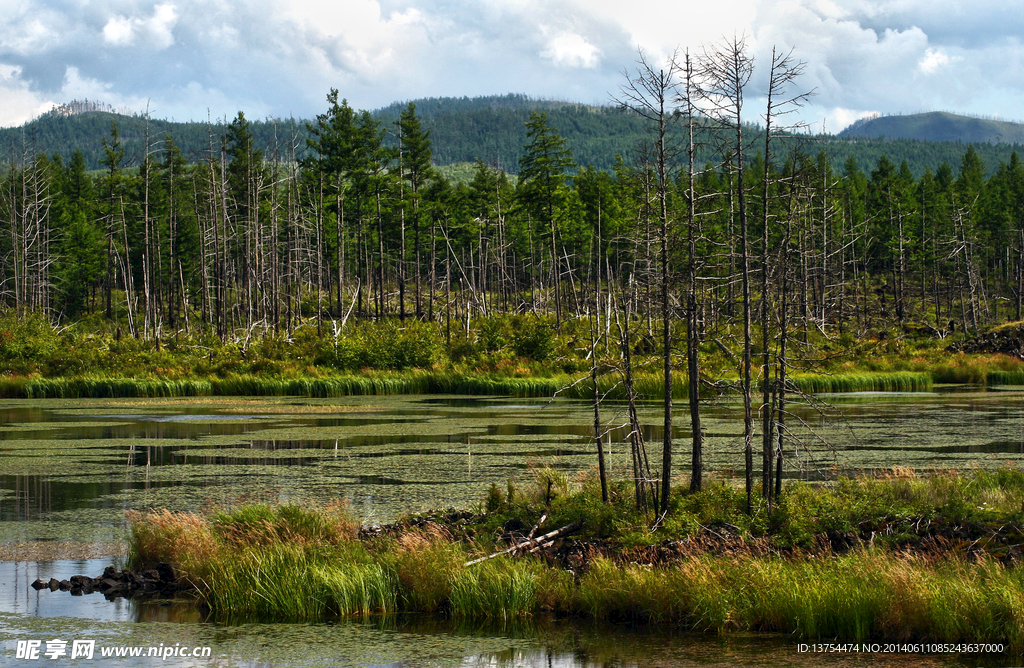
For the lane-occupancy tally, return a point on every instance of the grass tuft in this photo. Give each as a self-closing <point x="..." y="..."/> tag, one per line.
<point x="497" y="589"/>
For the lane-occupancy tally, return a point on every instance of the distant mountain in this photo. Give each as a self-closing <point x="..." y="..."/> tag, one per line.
<point x="59" y="132"/>
<point x="492" y="129"/>
<point x="938" y="126"/>
<point x="433" y="106"/>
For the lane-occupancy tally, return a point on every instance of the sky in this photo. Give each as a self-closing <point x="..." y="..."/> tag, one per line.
<point x="187" y="59"/>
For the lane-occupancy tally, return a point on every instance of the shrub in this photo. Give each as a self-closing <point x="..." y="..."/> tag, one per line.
<point x="533" y="338"/>
<point x="26" y="341"/>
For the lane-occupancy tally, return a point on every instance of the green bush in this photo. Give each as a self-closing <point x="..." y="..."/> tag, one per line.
<point x="533" y="338"/>
<point x="26" y="341"/>
<point x="387" y="345"/>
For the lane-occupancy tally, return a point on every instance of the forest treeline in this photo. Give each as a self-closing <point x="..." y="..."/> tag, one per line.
<point x="490" y="129"/>
<point x="754" y="248"/>
<point x="246" y="236"/>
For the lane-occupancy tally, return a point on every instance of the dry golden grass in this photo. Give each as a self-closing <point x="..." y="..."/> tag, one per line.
<point x="901" y="472"/>
<point x="179" y="538"/>
<point x="424" y="536"/>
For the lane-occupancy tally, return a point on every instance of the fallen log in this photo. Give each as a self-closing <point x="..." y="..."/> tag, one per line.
<point x="533" y="544"/>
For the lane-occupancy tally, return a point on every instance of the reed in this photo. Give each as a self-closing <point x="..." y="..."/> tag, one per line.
<point x="286" y="581"/>
<point x="427" y="567"/>
<point x="105" y="388"/>
<point x="861" y="596"/>
<point x="1005" y="378"/>
<point x="497" y="589"/>
<point x="646" y="385"/>
<point x="895" y="381"/>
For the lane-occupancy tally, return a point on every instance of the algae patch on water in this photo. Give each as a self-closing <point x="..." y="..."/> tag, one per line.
<point x="390" y="455"/>
<point x="57" y="550"/>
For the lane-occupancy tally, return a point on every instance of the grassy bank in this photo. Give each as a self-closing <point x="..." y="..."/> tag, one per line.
<point x="777" y="572"/>
<point x="513" y="355"/>
<point x="646" y="385"/>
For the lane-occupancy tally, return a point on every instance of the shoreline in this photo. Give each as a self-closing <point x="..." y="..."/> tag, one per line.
<point x="428" y="382"/>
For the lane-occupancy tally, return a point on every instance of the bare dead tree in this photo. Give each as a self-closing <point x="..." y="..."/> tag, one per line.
<point x="783" y="73"/>
<point x="687" y="98"/>
<point x="651" y="93"/>
<point x="726" y="69"/>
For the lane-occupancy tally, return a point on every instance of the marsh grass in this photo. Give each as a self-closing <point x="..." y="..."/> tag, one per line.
<point x="292" y="582"/>
<point x="860" y="596"/>
<point x="289" y="562"/>
<point x="610" y="385"/>
<point x="101" y="388"/>
<point x="896" y="381"/>
<point x="511" y="355"/>
<point x="1005" y="378"/>
<point x="427" y="568"/>
<point x="262" y="524"/>
<point x="500" y="588"/>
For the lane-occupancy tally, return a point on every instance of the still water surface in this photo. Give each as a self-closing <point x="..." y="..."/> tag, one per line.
<point x="70" y="469"/>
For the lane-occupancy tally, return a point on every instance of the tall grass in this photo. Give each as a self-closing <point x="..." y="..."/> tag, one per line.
<point x="499" y="588"/>
<point x="646" y="385"/>
<point x="102" y="388"/>
<point x="895" y="381"/>
<point x="861" y="596"/>
<point x="285" y="581"/>
<point x="297" y="563"/>
<point x="1005" y="378"/>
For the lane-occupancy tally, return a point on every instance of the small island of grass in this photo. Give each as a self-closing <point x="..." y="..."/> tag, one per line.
<point x="894" y="556"/>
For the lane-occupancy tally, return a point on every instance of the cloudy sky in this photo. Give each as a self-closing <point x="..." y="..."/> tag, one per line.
<point x="280" y="57"/>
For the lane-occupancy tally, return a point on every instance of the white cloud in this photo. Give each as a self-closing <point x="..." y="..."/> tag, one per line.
<point x="834" y="120"/>
<point x="29" y="36"/>
<point x="866" y="55"/>
<point x="78" y="87"/>
<point x="154" y="31"/>
<point x="161" y="25"/>
<point x="933" y="60"/>
<point x="119" y="31"/>
<point x="19" y="102"/>
<point x="280" y="56"/>
<point x="571" y="50"/>
<point x="659" y="26"/>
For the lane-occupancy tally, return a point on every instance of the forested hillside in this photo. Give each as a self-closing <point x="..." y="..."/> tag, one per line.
<point x="490" y="129"/>
<point x="63" y="135"/>
<point x="938" y="126"/>
<point x="251" y="238"/>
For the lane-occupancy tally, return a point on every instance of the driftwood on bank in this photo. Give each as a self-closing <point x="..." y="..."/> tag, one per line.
<point x="532" y="544"/>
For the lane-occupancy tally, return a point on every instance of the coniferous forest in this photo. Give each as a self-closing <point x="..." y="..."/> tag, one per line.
<point x="350" y="217"/>
<point x="722" y="233"/>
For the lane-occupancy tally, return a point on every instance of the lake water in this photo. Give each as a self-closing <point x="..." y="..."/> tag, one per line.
<point x="69" y="469"/>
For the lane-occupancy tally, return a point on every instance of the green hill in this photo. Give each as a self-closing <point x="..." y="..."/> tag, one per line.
<point x="61" y="134"/>
<point x="492" y="129"/>
<point x="938" y="126"/>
